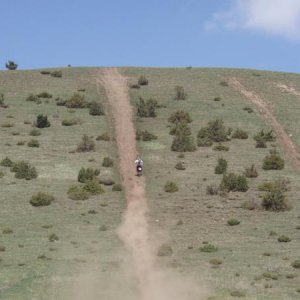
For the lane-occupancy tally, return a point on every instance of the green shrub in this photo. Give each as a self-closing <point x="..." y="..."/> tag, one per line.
<point x="145" y="136"/>
<point x="77" y="193"/>
<point x="44" y="72"/>
<point x="261" y="144"/>
<point x="96" y="109"/>
<point x="42" y="121"/>
<point x="180" y="166"/>
<point x="269" y="186"/>
<point x="296" y="264"/>
<point x="56" y="74"/>
<point x="240" y="134"/>
<point x="103" y="137"/>
<point x="180" y="116"/>
<point x="237" y="293"/>
<point x="248" y="109"/>
<point x="233" y="222"/>
<point x="267" y="136"/>
<point x="71" y="122"/>
<point x="41" y="199"/>
<point x="165" y="250"/>
<point x="221" y="147"/>
<point x="60" y="102"/>
<point x="183" y="143"/>
<point x="76" y="101"/>
<point x="1" y="174"/>
<point x="180" y="128"/>
<point x="215" y="131"/>
<point x="212" y="190"/>
<point x="171" y="187"/>
<point x="87" y="174"/>
<point x="143" y="80"/>
<point x="93" y="187"/>
<point x="86" y="145"/>
<point x="216" y="261"/>
<point x="7" y="125"/>
<point x="180" y="94"/>
<point x="273" y="161"/>
<point x="107" y="162"/>
<point x="221" y="167"/>
<point x="217" y="99"/>
<point x="11" y="65"/>
<point x="117" y="187"/>
<point x="7" y="231"/>
<point x="134" y="86"/>
<point x="24" y="170"/>
<point x="33" y="143"/>
<point x="251" y="172"/>
<point x="209" y="248"/>
<point x="233" y="182"/>
<point x="204" y="142"/>
<point x="274" y="200"/>
<point x="146" y="109"/>
<point x="53" y="237"/>
<point x="21" y="143"/>
<point x="6" y="162"/>
<point x="34" y="132"/>
<point x="44" y="95"/>
<point x="283" y="239"/>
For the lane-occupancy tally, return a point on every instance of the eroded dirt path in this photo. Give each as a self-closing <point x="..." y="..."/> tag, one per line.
<point x="287" y="89"/>
<point x="266" y="110"/>
<point x="153" y="282"/>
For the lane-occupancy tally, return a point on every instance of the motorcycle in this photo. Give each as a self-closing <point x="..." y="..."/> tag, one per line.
<point x="139" y="170"/>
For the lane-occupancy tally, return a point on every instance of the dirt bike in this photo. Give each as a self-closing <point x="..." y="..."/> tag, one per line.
<point x="139" y="170"/>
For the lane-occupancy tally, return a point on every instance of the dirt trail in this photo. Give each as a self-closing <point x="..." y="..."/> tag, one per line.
<point x="287" y="89"/>
<point x="152" y="282"/>
<point x="265" y="109"/>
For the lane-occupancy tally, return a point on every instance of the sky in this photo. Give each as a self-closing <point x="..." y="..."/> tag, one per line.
<point x="256" y="34"/>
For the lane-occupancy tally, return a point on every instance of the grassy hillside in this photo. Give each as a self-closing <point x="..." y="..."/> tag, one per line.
<point x="249" y="253"/>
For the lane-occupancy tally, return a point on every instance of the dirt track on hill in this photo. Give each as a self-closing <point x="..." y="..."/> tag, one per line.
<point x="153" y="283"/>
<point x="266" y="110"/>
<point x="287" y="89"/>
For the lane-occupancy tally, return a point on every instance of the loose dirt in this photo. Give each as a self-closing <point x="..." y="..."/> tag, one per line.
<point x="266" y="110"/>
<point x="153" y="282"/>
<point x="287" y="89"/>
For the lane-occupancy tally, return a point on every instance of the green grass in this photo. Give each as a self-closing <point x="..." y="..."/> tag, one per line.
<point x="204" y="217"/>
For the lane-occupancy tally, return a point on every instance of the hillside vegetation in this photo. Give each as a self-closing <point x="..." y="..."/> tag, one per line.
<point x="221" y="191"/>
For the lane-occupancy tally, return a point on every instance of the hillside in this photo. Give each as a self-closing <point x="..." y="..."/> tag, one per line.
<point x="248" y="257"/>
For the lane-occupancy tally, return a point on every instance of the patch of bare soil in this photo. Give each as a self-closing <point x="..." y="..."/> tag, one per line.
<point x="266" y="110"/>
<point x="287" y="89"/>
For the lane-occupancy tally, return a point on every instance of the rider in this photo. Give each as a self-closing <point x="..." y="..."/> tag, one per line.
<point x="139" y="162"/>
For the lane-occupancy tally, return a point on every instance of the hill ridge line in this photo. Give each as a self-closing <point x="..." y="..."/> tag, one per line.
<point x="266" y="110"/>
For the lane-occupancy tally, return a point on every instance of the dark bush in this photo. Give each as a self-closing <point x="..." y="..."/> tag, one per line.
<point x="44" y="95"/>
<point x="41" y="199"/>
<point x="56" y="74"/>
<point x="214" y="132"/>
<point x="86" y="145"/>
<point x="93" y="187"/>
<point x="96" y="109"/>
<point x="135" y="86"/>
<point x="240" y="134"/>
<point x="273" y="161"/>
<point x="34" y="132"/>
<point x="274" y="200"/>
<point x="117" y="187"/>
<point x="107" y="162"/>
<point x="11" y="65"/>
<point x="183" y="143"/>
<point x="42" y="121"/>
<point x="233" y="182"/>
<point x="45" y="72"/>
<point x="283" y="239"/>
<point x="248" y="109"/>
<point x="180" y="128"/>
<point x="221" y="167"/>
<point x="6" y="162"/>
<point x="251" y="172"/>
<point x="143" y="80"/>
<point x="32" y="98"/>
<point x="261" y="144"/>
<point x="76" y="101"/>
<point x="2" y="104"/>
<point x="224" y="83"/>
<point x="24" y="170"/>
<point x="180" y="166"/>
<point x="208" y="248"/>
<point x="103" y="137"/>
<point x="212" y="190"/>
<point x="171" y="187"/>
<point x="217" y="99"/>
<point x="145" y="136"/>
<point x="85" y="175"/>
<point x="180" y="94"/>
<point x="33" y="143"/>
<point x="267" y="136"/>
<point x="60" y="102"/>
<point x="77" y="193"/>
<point x="221" y="147"/>
<point x="53" y="237"/>
<point x="71" y="122"/>
<point x="146" y="109"/>
<point x="233" y="222"/>
<point x="180" y="116"/>
<point x="296" y="264"/>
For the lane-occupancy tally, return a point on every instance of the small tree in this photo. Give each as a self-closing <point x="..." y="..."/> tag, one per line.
<point x="273" y="161"/>
<point x="180" y="93"/>
<point x="274" y="200"/>
<point x="76" y="101"/>
<point x="86" y="144"/>
<point x="11" y="65"/>
<point x="96" y="109"/>
<point x="233" y="182"/>
<point x="87" y="174"/>
<point x="221" y="167"/>
<point x="2" y="100"/>
<point x="183" y="143"/>
<point x="42" y="121"/>
<point x="180" y="116"/>
<point x="143" y="80"/>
